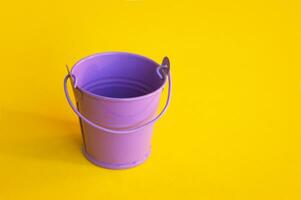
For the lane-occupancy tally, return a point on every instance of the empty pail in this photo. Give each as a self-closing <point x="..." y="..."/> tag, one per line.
<point x="117" y="96"/>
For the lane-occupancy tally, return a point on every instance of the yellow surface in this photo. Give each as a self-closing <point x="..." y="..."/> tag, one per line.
<point x="231" y="132"/>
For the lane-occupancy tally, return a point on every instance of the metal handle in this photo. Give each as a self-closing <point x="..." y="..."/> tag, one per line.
<point x="163" y="71"/>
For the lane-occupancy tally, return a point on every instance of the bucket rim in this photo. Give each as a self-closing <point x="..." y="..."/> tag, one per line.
<point x="116" y="98"/>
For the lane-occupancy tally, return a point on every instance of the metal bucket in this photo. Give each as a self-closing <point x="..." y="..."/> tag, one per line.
<point x="117" y="96"/>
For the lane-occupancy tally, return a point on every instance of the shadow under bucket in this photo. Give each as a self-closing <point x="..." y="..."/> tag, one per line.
<point x="117" y="96"/>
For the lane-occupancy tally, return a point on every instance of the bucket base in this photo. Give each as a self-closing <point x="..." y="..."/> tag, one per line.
<point x="115" y="166"/>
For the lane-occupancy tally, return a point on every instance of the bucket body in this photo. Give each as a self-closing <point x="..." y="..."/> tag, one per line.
<point x="117" y="91"/>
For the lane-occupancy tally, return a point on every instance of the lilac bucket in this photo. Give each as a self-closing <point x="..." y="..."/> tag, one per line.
<point x="117" y="96"/>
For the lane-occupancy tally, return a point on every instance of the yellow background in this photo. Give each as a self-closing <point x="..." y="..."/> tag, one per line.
<point x="232" y="130"/>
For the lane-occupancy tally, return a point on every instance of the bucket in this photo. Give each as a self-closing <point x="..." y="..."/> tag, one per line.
<point x="117" y="95"/>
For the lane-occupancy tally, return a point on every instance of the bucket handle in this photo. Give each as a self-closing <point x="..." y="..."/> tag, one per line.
<point x="163" y="71"/>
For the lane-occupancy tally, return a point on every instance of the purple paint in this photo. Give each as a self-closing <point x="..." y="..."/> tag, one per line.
<point x="117" y="96"/>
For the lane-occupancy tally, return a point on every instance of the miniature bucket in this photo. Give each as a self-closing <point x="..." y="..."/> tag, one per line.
<point x="117" y="96"/>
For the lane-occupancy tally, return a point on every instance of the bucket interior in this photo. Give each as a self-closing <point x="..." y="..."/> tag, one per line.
<point x="117" y="75"/>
